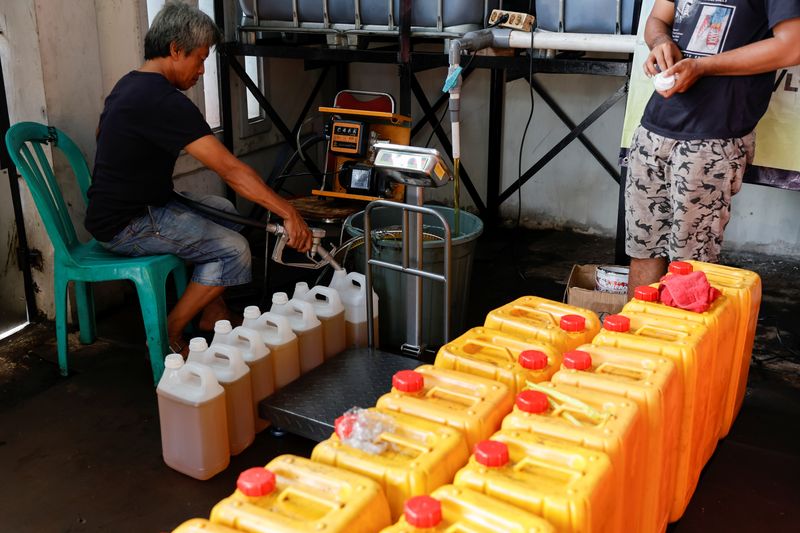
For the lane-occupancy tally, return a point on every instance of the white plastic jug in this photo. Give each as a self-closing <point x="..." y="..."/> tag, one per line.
<point x="233" y="374"/>
<point x="257" y="357"/>
<point x="330" y="311"/>
<point x="277" y="334"/>
<point x="191" y="412"/>
<point x="352" y="289"/>
<point x="306" y="326"/>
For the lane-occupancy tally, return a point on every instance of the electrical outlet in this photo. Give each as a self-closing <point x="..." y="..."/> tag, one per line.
<point x="516" y="21"/>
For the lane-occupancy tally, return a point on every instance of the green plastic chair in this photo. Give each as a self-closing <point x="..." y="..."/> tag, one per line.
<point x="83" y="263"/>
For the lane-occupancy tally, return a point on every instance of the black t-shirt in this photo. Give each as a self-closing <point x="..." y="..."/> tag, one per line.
<point x="145" y="124"/>
<point x="718" y="107"/>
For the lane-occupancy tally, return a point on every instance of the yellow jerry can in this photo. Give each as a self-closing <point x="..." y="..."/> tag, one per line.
<point x="294" y="494"/>
<point x="501" y="356"/>
<point x="473" y="405"/>
<point x="565" y="327"/>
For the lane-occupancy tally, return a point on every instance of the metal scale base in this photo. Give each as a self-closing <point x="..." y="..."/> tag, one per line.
<point x="355" y="378"/>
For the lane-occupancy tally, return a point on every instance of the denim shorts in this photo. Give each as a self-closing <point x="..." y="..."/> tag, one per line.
<point x="221" y="255"/>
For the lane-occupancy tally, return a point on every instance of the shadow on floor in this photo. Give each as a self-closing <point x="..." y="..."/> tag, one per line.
<point x="82" y="453"/>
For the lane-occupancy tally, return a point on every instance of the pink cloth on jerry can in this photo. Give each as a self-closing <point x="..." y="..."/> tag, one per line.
<point x="691" y="292"/>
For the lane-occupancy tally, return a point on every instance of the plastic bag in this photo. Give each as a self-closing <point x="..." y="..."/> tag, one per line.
<point x="362" y="428"/>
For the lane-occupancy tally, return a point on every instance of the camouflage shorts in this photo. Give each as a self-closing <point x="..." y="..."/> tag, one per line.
<point x="678" y="194"/>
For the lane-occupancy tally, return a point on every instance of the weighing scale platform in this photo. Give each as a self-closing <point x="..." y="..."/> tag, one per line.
<point x="355" y="378"/>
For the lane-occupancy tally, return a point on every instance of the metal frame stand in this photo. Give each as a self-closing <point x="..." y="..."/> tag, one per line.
<point x="310" y="405"/>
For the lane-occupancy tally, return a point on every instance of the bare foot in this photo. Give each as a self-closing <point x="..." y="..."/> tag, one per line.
<point x="214" y="311"/>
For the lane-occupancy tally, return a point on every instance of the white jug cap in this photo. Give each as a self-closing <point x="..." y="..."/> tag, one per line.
<point x="280" y="298"/>
<point x="198" y="344"/>
<point x="300" y="288"/>
<point x="252" y="311"/>
<point x="223" y="327"/>
<point x="173" y="361"/>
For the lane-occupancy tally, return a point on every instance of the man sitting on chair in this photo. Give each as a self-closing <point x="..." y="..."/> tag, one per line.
<point x="145" y="124"/>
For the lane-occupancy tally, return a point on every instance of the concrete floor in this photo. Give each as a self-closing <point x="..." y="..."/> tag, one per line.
<point x="83" y="453"/>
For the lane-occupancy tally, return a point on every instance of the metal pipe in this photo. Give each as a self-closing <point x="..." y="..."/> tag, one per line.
<point x="587" y="42"/>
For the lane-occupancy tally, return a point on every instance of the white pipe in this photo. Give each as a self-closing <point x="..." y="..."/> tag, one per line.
<point x="588" y="42"/>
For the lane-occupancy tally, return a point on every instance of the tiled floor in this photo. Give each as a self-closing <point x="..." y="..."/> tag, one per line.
<point x="83" y="453"/>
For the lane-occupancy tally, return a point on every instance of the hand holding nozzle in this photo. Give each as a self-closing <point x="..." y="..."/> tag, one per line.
<point x="315" y="248"/>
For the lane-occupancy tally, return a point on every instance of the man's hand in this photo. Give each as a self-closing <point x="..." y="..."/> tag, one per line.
<point x="298" y="232"/>
<point x="686" y="73"/>
<point x="663" y="55"/>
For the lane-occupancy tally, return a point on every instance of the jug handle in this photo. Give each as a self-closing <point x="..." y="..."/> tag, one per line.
<point x="231" y="352"/>
<point x="330" y="294"/>
<point x="292" y="492"/>
<point x="573" y="473"/>
<point x="250" y="335"/>
<point x="305" y="308"/>
<point x="205" y="374"/>
<point x="280" y="322"/>
<point x="544" y="315"/>
<point x="357" y="279"/>
<point x="660" y="333"/>
<point x="405" y="442"/>
<point x="490" y="347"/>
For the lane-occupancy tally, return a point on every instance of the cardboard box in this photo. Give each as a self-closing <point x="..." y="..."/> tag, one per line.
<point x="581" y="292"/>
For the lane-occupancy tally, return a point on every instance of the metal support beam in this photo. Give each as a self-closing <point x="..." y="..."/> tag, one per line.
<point x="563" y="143"/>
<point x="310" y="101"/>
<point x="620" y="257"/>
<point x="611" y="169"/>
<point x="404" y="57"/>
<point x="270" y="111"/>
<point x="494" y="170"/>
<point x="448" y="147"/>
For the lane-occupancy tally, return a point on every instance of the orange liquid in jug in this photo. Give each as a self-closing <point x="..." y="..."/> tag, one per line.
<point x="356" y="333"/>
<point x="310" y="348"/>
<point x="263" y="383"/>
<point x="184" y="425"/>
<point x="239" y="407"/>
<point x="334" y="335"/>
<point x="286" y="363"/>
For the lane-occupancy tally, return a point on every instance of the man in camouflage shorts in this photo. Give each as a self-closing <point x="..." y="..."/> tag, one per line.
<point x="689" y="154"/>
<point x="678" y="194"/>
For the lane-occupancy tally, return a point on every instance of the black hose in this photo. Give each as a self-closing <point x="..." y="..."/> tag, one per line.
<point x="203" y="208"/>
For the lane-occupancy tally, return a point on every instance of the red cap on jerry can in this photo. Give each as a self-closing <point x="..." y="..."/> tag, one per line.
<point x="532" y="401"/>
<point x="343" y="426"/>
<point x="256" y="482"/>
<point x="577" y="360"/>
<point x="491" y="453"/>
<point x="646" y="293"/>
<point x="680" y="268"/>
<point x="573" y="323"/>
<point x="408" y="381"/>
<point x="618" y="323"/>
<point x="423" y="512"/>
<point x="533" y="359"/>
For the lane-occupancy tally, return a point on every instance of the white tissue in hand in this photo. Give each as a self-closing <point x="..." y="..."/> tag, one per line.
<point x="662" y="82"/>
